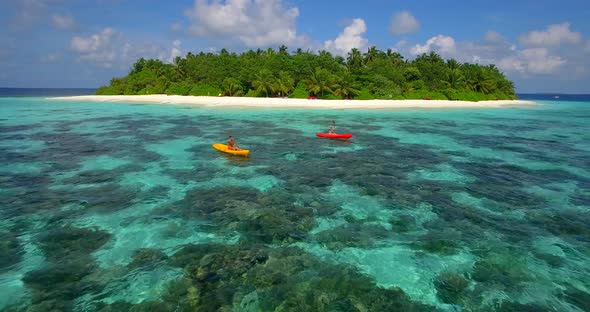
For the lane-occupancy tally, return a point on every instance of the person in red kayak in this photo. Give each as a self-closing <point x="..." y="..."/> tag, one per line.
<point x="231" y="144"/>
<point x="332" y="128"/>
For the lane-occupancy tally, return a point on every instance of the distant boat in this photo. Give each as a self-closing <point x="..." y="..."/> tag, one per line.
<point x="556" y="97"/>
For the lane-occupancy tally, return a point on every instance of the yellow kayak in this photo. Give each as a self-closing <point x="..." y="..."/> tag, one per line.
<point x="223" y="148"/>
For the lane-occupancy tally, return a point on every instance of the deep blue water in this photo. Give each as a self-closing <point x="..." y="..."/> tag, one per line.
<point x="127" y="207"/>
<point x="555" y="97"/>
<point x="34" y="92"/>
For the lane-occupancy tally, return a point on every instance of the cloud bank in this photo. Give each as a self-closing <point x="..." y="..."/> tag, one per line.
<point x="404" y="23"/>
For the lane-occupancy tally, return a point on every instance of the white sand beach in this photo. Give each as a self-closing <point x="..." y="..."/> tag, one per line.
<point x="223" y="101"/>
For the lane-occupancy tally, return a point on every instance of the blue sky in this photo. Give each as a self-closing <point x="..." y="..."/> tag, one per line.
<point x="544" y="46"/>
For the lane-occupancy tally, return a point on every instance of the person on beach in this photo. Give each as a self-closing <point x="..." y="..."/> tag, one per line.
<point x="231" y="144"/>
<point x="332" y="128"/>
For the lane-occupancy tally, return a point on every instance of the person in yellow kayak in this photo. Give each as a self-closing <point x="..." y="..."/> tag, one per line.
<point x="332" y="128"/>
<point x="231" y="144"/>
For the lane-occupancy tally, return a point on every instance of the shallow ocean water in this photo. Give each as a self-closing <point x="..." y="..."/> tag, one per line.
<point x="117" y="207"/>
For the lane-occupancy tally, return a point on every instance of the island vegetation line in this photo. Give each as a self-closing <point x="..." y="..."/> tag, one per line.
<point x="303" y="74"/>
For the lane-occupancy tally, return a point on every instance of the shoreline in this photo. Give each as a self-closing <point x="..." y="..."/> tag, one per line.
<point x="226" y="101"/>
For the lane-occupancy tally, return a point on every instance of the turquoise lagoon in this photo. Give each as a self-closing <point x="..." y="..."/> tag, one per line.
<point x="126" y="207"/>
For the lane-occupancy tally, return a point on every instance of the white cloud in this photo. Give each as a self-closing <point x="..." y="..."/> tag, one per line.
<point x="108" y="48"/>
<point x="493" y="37"/>
<point x="175" y="50"/>
<point x="511" y="64"/>
<point x="539" y="61"/>
<point x="29" y="13"/>
<point x="444" y="45"/>
<point x="404" y="23"/>
<point x="63" y="22"/>
<point x="527" y="61"/>
<point x="400" y="46"/>
<point x="94" y="42"/>
<point x="350" y="37"/>
<point x="554" y="35"/>
<point x="98" y="48"/>
<point x="495" y="49"/>
<point x="255" y="23"/>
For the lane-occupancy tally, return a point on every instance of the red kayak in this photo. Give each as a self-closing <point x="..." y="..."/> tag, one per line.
<point x="334" y="135"/>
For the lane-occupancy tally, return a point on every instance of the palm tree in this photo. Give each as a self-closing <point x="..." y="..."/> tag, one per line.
<point x="453" y="64"/>
<point x="454" y="77"/>
<point x="354" y="59"/>
<point x="371" y="54"/>
<point x="179" y="67"/>
<point x="283" y="50"/>
<point x="325" y="54"/>
<point x="479" y="80"/>
<point x="345" y="85"/>
<point x="318" y="82"/>
<point x="284" y="84"/>
<point x="395" y="57"/>
<point x="263" y="82"/>
<point x="232" y="86"/>
<point x="223" y="52"/>
<point x="433" y="58"/>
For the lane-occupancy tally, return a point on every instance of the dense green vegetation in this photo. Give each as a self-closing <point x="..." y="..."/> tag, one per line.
<point x="372" y="75"/>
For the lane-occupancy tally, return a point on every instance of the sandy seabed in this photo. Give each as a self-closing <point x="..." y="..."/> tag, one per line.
<point x="223" y="101"/>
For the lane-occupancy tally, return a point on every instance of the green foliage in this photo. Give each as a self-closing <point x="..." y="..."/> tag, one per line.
<point x="251" y="93"/>
<point x="466" y="95"/>
<point x="232" y="87"/>
<point x="362" y="75"/>
<point x="319" y="82"/>
<point x="204" y="90"/>
<point x="425" y="95"/>
<point x="383" y="88"/>
<point x="263" y="83"/>
<point x="344" y="85"/>
<point x="300" y="92"/>
<point x="364" y="94"/>
<point x="329" y="96"/>
<point x="104" y="90"/>
<point x="179" y="88"/>
<point x="283" y="84"/>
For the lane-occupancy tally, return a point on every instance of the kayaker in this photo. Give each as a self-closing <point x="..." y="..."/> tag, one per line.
<point x="332" y="127"/>
<point x="231" y="144"/>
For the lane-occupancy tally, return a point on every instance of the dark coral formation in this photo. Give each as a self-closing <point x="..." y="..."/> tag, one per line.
<point x="146" y="257"/>
<point x="56" y="286"/>
<point x="222" y="278"/>
<point x="71" y="242"/>
<point x="450" y="287"/>
<point x="502" y="271"/>
<point x="259" y="217"/>
<point x="10" y="250"/>
<point x="577" y="297"/>
<point x="67" y="275"/>
<point x="353" y="235"/>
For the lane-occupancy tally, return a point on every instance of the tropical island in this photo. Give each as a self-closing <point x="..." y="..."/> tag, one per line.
<point x="374" y="75"/>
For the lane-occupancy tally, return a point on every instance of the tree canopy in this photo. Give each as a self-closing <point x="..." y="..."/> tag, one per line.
<point x="268" y="73"/>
